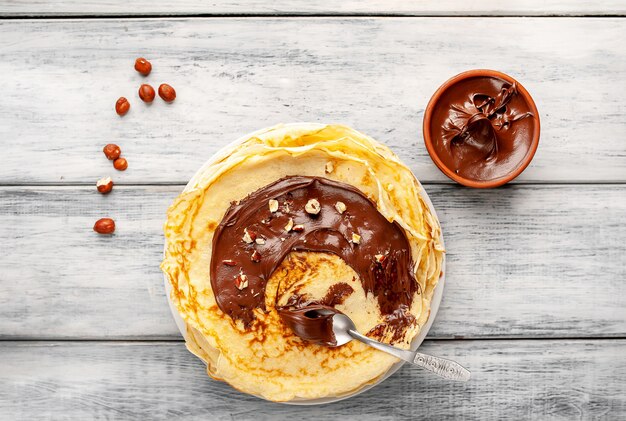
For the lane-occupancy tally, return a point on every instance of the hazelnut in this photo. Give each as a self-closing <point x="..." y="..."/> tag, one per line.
<point x="289" y="225"/>
<point x="146" y="93"/>
<point x="329" y="167"/>
<point x="143" y="66"/>
<point x="167" y="93"/>
<point x="122" y="106"/>
<point x="104" y="226"/>
<point x="256" y="256"/>
<point x="273" y="205"/>
<point x="313" y="207"/>
<point x="120" y="164"/>
<point x="260" y="241"/>
<point x="249" y="236"/>
<point x="285" y="208"/>
<point x="241" y="282"/>
<point x="298" y="228"/>
<point x="356" y="238"/>
<point x="104" y="185"/>
<point x="380" y="258"/>
<point x="341" y="207"/>
<point x="112" y="151"/>
<point x="229" y="262"/>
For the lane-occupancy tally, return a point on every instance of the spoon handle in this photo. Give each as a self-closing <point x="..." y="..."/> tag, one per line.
<point x="440" y="366"/>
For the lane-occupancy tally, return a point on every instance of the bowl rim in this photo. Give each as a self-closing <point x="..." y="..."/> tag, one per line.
<point x="435" y="302"/>
<point x="428" y="138"/>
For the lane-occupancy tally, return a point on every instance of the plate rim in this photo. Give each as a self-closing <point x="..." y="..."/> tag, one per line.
<point x="415" y="343"/>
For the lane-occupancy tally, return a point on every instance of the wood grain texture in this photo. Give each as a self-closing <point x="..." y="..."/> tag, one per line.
<point x="511" y="379"/>
<point x="523" y="261"/>
<point x="61" y="79"/>
<point x="312" y="7"/>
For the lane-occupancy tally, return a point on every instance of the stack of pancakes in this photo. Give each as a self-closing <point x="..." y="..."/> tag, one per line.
<point x="266" y="358"/>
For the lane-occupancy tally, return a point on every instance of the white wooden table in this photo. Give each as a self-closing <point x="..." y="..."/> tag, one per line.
<point x="535" y="300"/>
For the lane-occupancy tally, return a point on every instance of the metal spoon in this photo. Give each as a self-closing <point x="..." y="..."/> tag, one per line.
<point x="345" y="330"/>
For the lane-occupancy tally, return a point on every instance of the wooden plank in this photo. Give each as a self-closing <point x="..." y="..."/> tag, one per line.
<point x="523" y="261"/>
<point x="523" y="379"/>
<point x="313" y="7"/>
<point x="61" y="79"/>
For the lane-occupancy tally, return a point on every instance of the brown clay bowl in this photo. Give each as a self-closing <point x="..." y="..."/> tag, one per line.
<point x="449" y="84"/>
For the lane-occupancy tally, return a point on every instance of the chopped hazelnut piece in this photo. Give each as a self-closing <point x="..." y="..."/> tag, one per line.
<point x="241" y="281"/>
<point x="104" y="185"/>
<point x="249" y="236"/>
<point x="229" y="262"/>
<point x="256" y="256"/>
<point x="356" y="238"/>
<point x="298" y="228"/>
<point x="341" y="207"/>
<point x="329" y="167"/>
<point x="289" y="225"/>
<point x="273" y="204"/>
<point x="260" y="241"/>
<point x="380" y="258"/>
<point x="313" y="207"/>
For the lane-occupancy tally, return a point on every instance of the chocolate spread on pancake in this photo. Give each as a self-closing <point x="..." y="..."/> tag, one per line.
<point x="381" y="256"/>
<point x="480" y="128"/>
<point x="302" y="316"/>
<point x="311" y="324"/>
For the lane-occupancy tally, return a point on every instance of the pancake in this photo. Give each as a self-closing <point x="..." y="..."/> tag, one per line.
<point x="239" y="328"/>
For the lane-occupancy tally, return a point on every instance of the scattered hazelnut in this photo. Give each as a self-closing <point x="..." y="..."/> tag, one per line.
<point x="104" y="185"/>
<point x="104" y="226"/>
<point x="167" y="93"/>
<point x="249" y="236"/>
<point x="356" y="238"/>
<point x="329" y="167"/>
<point x="273" y="204"/>
<point x="256" y="256"/>
<point x="241" y="281"/>
<point x="289" y="225"/>
<point x="143" y="66"/>
<point x="341" y="207"/>
<point x="120" y="164"/>
<point x="122" y="106"/>
<point x="146" y="93"/>
<point x="285" y="208"/>
<point x="260" y="241"/>
<point x="112" y="151"/>
<point x="298" y="228"/>
<point x="229" y="262"/>
<point x="313" y="207"/>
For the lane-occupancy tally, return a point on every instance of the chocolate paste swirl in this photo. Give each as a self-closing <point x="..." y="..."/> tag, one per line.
<point x="381" y="256"/>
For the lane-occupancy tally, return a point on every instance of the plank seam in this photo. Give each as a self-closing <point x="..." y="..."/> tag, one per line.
<point x="425" y="183"/>
<point x="442" y="339"/>
<point x="71" y="16"/>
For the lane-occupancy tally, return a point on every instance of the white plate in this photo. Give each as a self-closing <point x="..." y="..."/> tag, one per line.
<point x="417" y="341"/>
